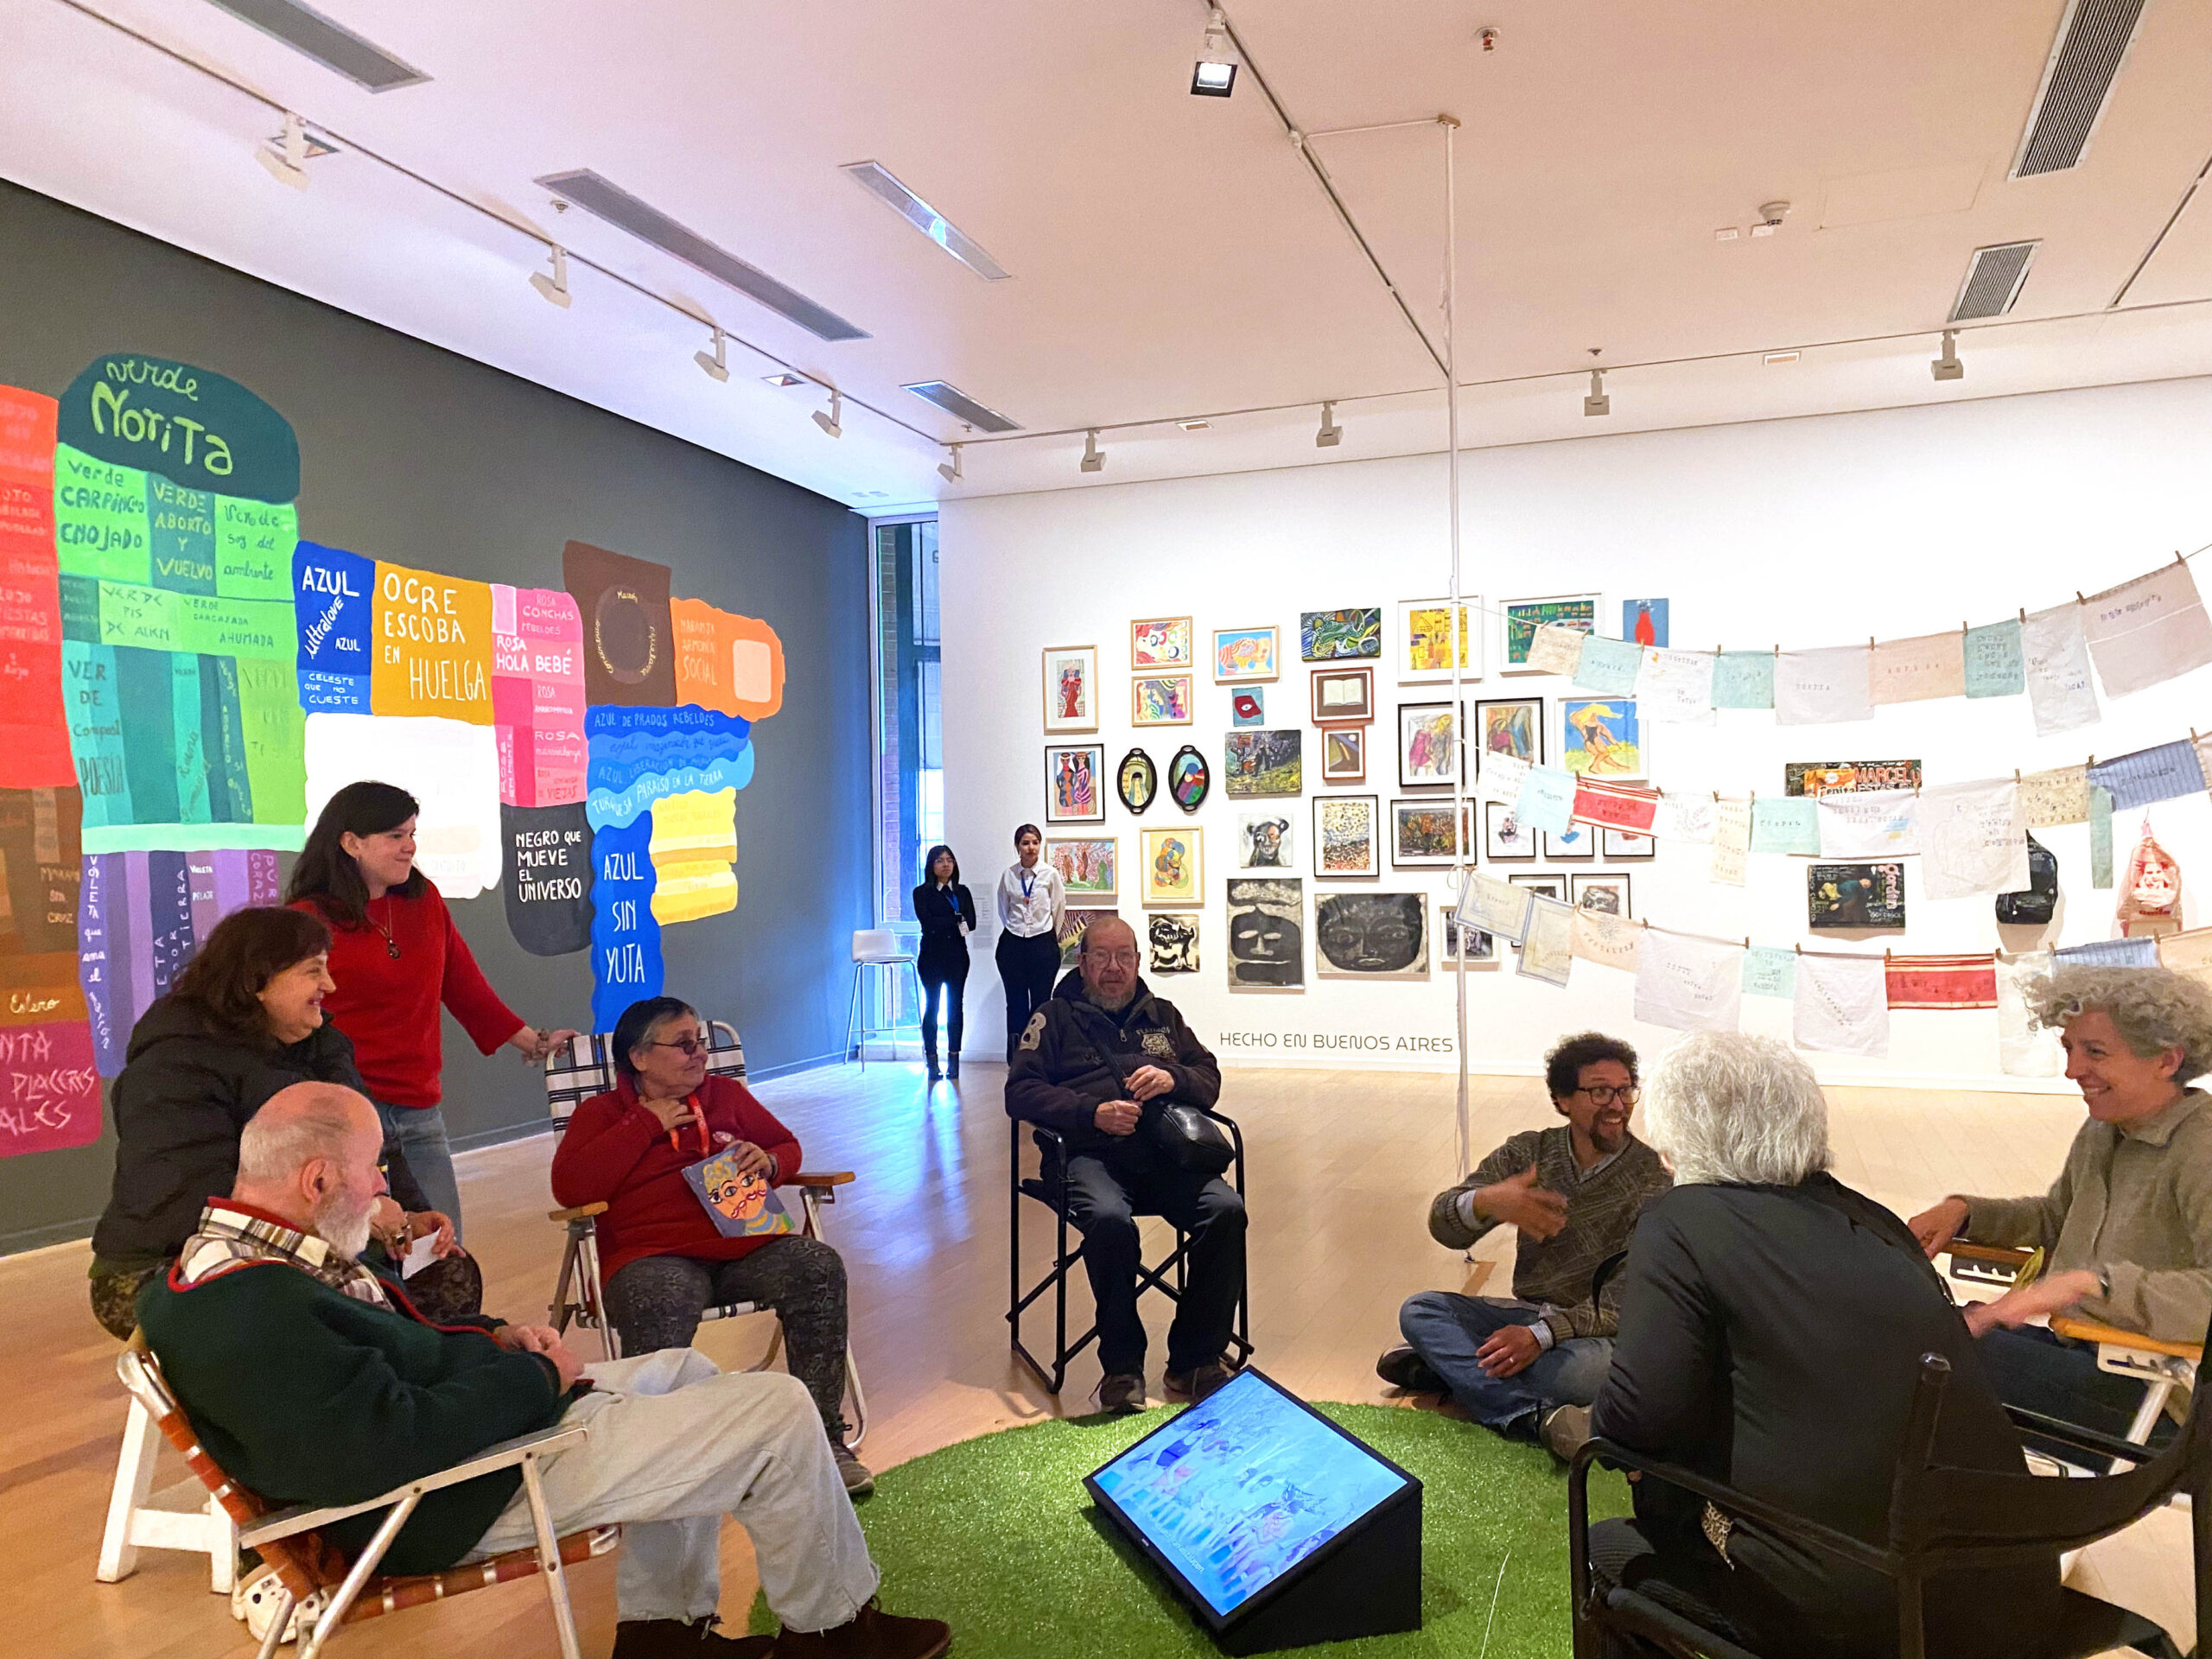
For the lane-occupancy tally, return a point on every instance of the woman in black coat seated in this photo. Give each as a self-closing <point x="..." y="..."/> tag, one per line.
<point x="946" y="910"/>
<point x="1772" y="1322"/>
<point x="244" y="1020"/>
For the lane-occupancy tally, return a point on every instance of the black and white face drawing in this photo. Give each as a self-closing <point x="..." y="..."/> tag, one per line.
<point x="1371" y="935"/>
<point x="1267" y="936"/>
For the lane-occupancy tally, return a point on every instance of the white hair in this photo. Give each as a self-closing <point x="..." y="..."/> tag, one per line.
<point x="1726" y="1109"/>
<point x="295" y="1125"/>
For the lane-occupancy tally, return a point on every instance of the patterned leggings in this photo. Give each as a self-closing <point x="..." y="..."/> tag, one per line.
<point x="657" y="1301"/>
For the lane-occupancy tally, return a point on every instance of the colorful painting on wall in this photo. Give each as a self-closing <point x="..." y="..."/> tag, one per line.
<point x="1267" y="934"/>
<point x="1602" y="737"/>
<point x="1087" y="866"/>
<point x="1161" y="699"/>
<point x="1524" y="616"/>
<point x="1326" y="636"/>
<point x="1370" y="935"/>
<point x="1506" y="840"/>
<point x="1345" y="836"/>
<point x="1643" y="622"/>
<point x="1175" y="865"/>
<point x="1514" y="726"/>
<point x="1428" y="748"/>
<point x="1266" y="841"/>
<point x="1074" y="784"/>
<point x="1424" y="650"/>
<point x="1174" y="941"/>
<point x="1263" y="763"/>
<point x="1137" y="780"/>
<point x="1188" y="779"/>
<point x="1071" y="689"/>
<point x="1421" y="833"/>
<point x="1160" y="642"/>
<point x="1243" y="655"/>
<point x="1847" y="777"/>
<point x="1249" y="708"/>
<point x="1868" y="897"/>
<point x="1343" y="695"/>
<point x="1343" y="754"/>
<point x="1074" y="924"/>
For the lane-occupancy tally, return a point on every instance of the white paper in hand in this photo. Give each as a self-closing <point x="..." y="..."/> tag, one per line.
<point x="420" y="1254"/>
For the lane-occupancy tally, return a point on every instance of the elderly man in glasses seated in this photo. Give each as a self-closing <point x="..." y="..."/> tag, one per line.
<point x="687" y="1165"/>
<point x="1529" y="1364"/>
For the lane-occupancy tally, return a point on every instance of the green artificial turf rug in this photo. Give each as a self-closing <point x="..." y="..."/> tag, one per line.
<point x="998" y="1536"/>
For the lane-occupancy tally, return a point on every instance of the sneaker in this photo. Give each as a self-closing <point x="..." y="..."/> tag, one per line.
<point x="1402" y="1367"/>
<point x="675" y="1638"/>
<point x="1197" y="1382"/>
<point x="1563" y="1429"/>
<point x="1120" y="1391"/>
<point x="859" y="1481"/>
<point x="872" y="1634"/>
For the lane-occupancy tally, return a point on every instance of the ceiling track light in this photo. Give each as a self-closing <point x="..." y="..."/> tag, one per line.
<point x="1214" y="76"/>
<point x="1596" y="402"/>
<point x="1093" y="460"/>
<point x="950" y="470"/>
<point x="831" y="420"/>
<point x="716" y="363"/>
<point x="555" y="286"/>
<point x="1331" y="434"/>
<point x="1947" y="366"/>
<point x="285" y="154"/>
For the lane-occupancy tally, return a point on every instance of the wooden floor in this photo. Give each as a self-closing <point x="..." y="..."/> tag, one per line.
<point x="1341" y="1166"/>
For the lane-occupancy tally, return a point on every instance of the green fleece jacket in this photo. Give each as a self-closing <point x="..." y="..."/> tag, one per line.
<point x="305" y="1395"/>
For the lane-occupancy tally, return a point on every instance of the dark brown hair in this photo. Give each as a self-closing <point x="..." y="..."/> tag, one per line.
<point x="247" y="949"/>
<point x="326" y="871"/>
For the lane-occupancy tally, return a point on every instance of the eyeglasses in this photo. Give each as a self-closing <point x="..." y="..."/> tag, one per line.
<point x="690" y="1046"/>
<point x="1604" y="1095"/>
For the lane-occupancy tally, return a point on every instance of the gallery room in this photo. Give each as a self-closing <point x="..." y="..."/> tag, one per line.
<point x="1094" y="832"/>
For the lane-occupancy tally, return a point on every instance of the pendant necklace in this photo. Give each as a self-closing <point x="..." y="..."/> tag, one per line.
<point x="391" y="944"/>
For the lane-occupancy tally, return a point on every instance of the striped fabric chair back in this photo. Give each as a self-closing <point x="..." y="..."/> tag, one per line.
<point x="585" y="1067"/>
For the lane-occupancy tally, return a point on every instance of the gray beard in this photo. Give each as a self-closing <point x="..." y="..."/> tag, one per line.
<point x="346" y="1231"/>
<point x="1098" y="999"/>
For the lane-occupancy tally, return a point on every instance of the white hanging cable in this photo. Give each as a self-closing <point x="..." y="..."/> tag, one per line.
<point x="1453" y="642"/>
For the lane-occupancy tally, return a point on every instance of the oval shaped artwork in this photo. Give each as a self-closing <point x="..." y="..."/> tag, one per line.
<point x="1188" y="779"/>
<point x="1137" y="780"/>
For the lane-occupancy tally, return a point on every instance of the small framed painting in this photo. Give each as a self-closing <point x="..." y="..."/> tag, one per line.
<point x="1579" y="843"/>
<point x="1370" y="935"/>
<point x="1266" y="840"/>
<point x="1161" y="699"/>
<point x="1267" y="933"/>
<point x="1344" y="837"/>
<point x="1506" y="840"/>
<point x="1188" y="779"/>
<point x="1524" y="616"/>
<point x="1086" y="864"/>
<point x="1327" y="636"/>
<point x="1429" y="746"/>
<point x="1070" y="688"/>
<point x="1425" y="653"/>
<point x="1137" y="780"/>
<point x="1606" y="892"/>
<point x="1343" y="754"/>
<point x="1643" y="621"/>
<point x="1242" y="656"/>
<point x="1175" y="865"/>
<point x="1344" y="696"/>
<point x="1263" y="762"/>
<point x="1602" y="737"/>
<point x="1628" y="843"/>
<point x="1249" y="707"/>
<point x="1160" y="642"/>
<point x="1174" y="942"/>
<point x="1074" y="783"/>
<point x="1552" y="887"/>
<point x="1074" y="924"/>
<point x="1421" y="833"/>
<point x="1513" y="726"/>
<point x="1480" y="948"/>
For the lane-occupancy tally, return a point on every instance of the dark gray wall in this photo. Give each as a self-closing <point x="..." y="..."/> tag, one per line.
<point x="413" y="454"/>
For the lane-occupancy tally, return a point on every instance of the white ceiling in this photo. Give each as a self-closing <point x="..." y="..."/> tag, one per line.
<point x="1171" y="255"/>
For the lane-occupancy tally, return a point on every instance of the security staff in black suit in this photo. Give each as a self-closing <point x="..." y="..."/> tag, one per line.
<point x="946" y="910"/>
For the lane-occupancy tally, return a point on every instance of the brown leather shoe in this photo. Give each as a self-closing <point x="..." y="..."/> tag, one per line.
<point x="1121" y="1392"/>
<point x="672" y="1638"/>
<point x="1197" y="1382"/>
<point x="873" y="1634"/>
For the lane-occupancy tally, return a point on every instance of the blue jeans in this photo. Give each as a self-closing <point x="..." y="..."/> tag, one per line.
<point x="2036" y="1368"/>
<point x="422" y="1136"/>
<point x="1446" y="1330"/>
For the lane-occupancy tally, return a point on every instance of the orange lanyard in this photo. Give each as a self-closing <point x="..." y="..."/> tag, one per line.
<point x="698" y="1122"/>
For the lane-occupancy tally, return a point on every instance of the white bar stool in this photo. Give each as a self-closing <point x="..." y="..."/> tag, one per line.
<point x="877" y="951"/>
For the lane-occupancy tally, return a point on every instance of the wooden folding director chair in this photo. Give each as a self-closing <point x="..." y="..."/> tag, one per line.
<point x="586" y="1067"/>
<point x="316" y="1577"/>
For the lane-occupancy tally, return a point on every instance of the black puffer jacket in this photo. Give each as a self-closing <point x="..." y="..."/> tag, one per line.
<point x="186" y="1092"/>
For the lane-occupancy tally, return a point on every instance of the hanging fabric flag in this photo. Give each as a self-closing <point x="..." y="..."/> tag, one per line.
<point x="1494" y="907"/>
<point x="1823" y="688"/>
<point x="1622" y="806"/>
<point x="1688" y="985"/>
<point x="1676" y="687"/>
<point x="1732" y="840"/>
<point x="1842" y="1006"/>
<point x="2099" y="836"/>
<point x="2110" y="953"/>
<point x="1555" y="649"/>
<point x="1500" y="778"/>
<point x="1994" y="664"/>
<point x="2149" y="904"/>
<point x="1770" y="971"/>
<point x="1743" y="679"/>
<point x="1914" y="670"/>
<point x="1608" y="666"/>
<point x="1609" y="940"/>
<point x="2059" y="796"/>
<point x="1547" y="799"/>
<point x="1786" y="824"/>
<point x="1974" y="838"/>
<point x="2145" y="632"/>
<point x="1867" y="824"/>
<point x="2023" y="1048"/>
<point x="2189" y="953"/>
<point x="1547" y="952"/>
<point x="1683" y="817"/>
<point x="2150" y="775"/>
<point x="2059" y="688"/>
<point x="1956" y="981"/>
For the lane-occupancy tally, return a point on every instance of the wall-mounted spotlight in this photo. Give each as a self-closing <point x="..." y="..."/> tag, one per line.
<point x="287" y="153"/>
<point x="554" y="287"/>
<point x="1093" y="461"/>
<point x="1947" y="366"/>
<point x="950" y="470"/>
<point x="716" y="363"/>
<point x="1596" y="402"/>
<point x="831" y="420"/>
<point x="1215" y="74"/>
<point x="1331" y="434"/>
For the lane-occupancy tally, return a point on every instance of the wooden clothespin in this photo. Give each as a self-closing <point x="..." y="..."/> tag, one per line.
<point x="2180" y="557"/>
<point x="2024" y="616"/>
<point x="2078" y="600"/>
<point x="1799" y="948"/>
<point x="1747" y="941"/>
<point x="2016" y="776"/>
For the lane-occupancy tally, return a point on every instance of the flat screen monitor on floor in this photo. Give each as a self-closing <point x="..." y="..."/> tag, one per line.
<point x="1238" y="1497"/>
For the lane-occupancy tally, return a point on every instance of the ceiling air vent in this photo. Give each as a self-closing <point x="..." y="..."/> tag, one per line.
<point x="958" y="404"/>
<point x="1994" y="279"/>
<point x="586" y="189"/>
<point x="880" y="183"/>
<point x="332" y="44"/>
<point x="2092" y="41"/>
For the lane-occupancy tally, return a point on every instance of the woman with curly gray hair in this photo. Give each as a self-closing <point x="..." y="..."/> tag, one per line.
<point x="2127" y="1229"/>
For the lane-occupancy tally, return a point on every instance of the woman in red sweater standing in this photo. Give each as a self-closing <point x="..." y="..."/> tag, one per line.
<point x="684" y="1164"/>
<point x="395" y="955"/>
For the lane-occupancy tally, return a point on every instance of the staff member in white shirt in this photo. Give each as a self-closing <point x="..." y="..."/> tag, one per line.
<point x="1031" y="901"/>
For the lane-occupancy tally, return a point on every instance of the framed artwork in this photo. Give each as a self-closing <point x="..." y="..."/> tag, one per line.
<point x="1524" y="616"/>
<point x="1453" y="937"/>
<point x="1249" y="707"/>
<point x="1420" y="831"/>
<point x="1344" y="837"/>
<point x="1855" y="896"/>
<point x="1160" y="642"/>
<point x="1344" y="696"/>
<point x="1552" y="887"/>
<point x="1074" y="924"/>
<point x="1074" y="783"/>
<point x="1579" y="843"/>
<point x="1175" y="865"/>
<point x="1327" y="636"/>
<point x="1188" y="779"/>
<point x="1264" y="762"/>
<point x="1603" y="891"/>
<point x="1424" y="653"/>
<point x="1506" y="840"/>
<point x="1370" y="935"/>
<point x="1137" y="780"/>
<point x="1161" y="699"/>
<point x="1243" y="655"/>
<point x="1429" y="747"/>
<point x="1628" y="843"/>
<point x="1512" y="726"/>
<point x="1070" y="688"/>
<point x="1343" y="754"/>
<point x="1174" y="943"/>
<point x="1266" y="841"/>
<point x="1643" y="622"/>
<point x="1086" y="864"/>
<point x="1267" y="933"/>
<point x="1602" y="737"/>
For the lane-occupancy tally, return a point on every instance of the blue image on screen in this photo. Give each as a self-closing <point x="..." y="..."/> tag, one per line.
<point x="1237" y="1490"/>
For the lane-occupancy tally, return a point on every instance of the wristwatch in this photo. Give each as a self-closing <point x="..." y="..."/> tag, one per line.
<point x="2104" y="1281"/>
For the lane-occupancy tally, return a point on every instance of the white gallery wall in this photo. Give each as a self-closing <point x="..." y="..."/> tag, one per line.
<point x="1798" y="533"/>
